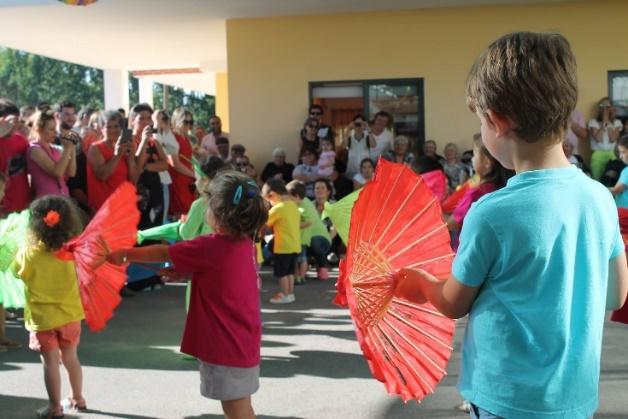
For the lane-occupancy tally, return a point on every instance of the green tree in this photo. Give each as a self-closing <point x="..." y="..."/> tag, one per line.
<point x="201" y="105"/>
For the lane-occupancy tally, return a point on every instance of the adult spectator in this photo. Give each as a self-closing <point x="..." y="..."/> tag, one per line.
<point x="430" y="150"/>
<point x="82" y="120"/>
<point x="208" y="144"/>
<point x="151" y="159"/>
<point x="367" y="170"/>
<point x="307" y="171"/>
<point x="343" y="186"/>
<point x="25" y="121"/>
<point x="401" y="151"/>
<point x="125" y="124"/>
<point x="181" y="169"/>
<point x="92" y="132"/>
<point x="278" y="168"/>
<point x="604" y="131"/>
<point x="382" y="134"/>
<point x="237" y="150"/>
<point x="359" y="144"/>
<point x="309" y="138"/>
<point x="456" y="172"/>
<point x="243" y="164"/>
<point x="222" y="148"/>
<point x="577" y="132"/>
<point x="111" y="161"/>
<point x="162" y="132"/>
<point x="198" y="134"/>
<point x="324" y="131"/>
<point x="13" y="148"/>
<point x="50" y="165"/>
<point x="65" y="116"/>
<point x="323" y="191"/>
<point x="574" y="158"/>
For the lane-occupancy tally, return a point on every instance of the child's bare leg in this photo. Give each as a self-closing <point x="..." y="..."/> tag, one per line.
<point x="75" y="372"/>
<point x="290" y="284"/>
<point x="238" y="409"/>
<point x="52" y="378"/>
<point x="302" y="269"/>
<point x="284" y="284"/>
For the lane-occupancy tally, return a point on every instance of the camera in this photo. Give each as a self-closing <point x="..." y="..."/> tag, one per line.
<point x="357" y="124"/>
<point x="604" y="105"/>
<point x="73" y="138"/>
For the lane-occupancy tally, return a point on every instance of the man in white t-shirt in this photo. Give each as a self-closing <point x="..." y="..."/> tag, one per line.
<point x="383" y="136"/>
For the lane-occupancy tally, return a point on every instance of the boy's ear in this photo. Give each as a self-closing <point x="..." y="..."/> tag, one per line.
<point x="501" y="123"/>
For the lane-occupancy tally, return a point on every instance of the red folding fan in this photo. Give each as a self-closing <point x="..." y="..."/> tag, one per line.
<point x="113" y="227"/>
<point x="397" y="222"/>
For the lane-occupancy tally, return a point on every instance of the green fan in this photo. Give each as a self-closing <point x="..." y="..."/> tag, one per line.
<point x="340" y="214"/>
<point x="13" y="232"/>
<point x="168" y="232"/>
<point x="11" y="290"/>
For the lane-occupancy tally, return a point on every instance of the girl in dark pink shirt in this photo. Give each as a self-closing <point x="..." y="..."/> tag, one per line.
<point x="223" y="325"/>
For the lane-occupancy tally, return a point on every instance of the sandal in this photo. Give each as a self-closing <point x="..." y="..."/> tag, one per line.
<point x="46" y="413"/>
<point x="73" y="404"/>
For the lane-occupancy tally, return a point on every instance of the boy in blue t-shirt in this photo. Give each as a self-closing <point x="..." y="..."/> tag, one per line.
<point x="536" y="258"/>
<point x="620" y="190"/>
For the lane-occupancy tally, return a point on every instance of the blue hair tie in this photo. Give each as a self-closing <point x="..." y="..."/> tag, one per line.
<point x="237" y="196"/>
<point x="250" y="192"/>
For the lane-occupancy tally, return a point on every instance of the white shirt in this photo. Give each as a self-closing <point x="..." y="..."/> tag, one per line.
<point x="606" y="144"/>
<point x="358" y="151"/>
<point x="383" y="143"/>
<point x="171" y="147"/>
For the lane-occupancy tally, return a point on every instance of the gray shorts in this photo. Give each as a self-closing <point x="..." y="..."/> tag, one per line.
<point x="220" y="382"/>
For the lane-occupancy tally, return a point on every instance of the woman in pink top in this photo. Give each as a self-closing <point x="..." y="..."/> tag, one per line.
<point x="48" y="164"/>
<point x="223" y="326"/>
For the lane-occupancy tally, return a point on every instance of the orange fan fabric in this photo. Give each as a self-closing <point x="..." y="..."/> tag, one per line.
<point x="396" y="223"/>
<point x="113" y="227"/>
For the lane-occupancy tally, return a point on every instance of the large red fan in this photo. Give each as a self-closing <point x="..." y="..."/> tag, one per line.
<point x="113" y="227"/>
<point x="397" y="222"/>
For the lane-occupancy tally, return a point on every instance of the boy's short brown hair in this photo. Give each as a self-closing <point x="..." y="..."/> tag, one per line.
<point x="296" y="188"/>
<point x="529" y="78"/>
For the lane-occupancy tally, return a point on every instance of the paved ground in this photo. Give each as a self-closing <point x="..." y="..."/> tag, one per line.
<point x="311" y="368"/>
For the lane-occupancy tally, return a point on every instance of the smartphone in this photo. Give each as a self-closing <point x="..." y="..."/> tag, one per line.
<point x="126" y="137"/>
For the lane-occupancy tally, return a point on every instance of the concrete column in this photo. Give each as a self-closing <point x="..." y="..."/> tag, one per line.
<point x="116" y="89"/>
<point x="146" y="91"/>
<point x="222" y="99"/>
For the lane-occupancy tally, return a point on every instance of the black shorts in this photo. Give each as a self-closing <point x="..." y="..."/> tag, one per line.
<point x="284" y="264"/>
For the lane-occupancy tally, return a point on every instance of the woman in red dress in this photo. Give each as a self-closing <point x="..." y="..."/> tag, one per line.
<point x="182" y="192"/>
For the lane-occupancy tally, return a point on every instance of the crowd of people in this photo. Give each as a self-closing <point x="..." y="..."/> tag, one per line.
<point x="55" y="161"/>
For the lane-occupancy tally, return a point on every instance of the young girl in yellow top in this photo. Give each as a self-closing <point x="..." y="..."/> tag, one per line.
<point x="53" y="310"/>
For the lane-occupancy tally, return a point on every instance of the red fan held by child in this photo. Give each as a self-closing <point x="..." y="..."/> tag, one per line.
<point x="397" y="223"/>
<point x="113" y="227"/>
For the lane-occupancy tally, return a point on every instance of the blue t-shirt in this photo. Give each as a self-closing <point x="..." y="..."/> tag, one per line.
<point x="622" y="199"/>
<point x="540" y="250"/>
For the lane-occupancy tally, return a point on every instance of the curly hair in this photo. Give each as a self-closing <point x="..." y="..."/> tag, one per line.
<point x="54" y="235"/>
<point x="236" y="204"/>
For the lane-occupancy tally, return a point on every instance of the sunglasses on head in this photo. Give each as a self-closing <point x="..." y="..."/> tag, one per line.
<point x="188" y="122"/>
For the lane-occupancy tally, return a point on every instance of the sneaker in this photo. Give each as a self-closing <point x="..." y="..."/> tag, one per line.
<point x="322" y="274"/>
<point x="47" y="413"/>
<point x="332" y="258"/>
<point x="465" y="406"/>
<point x="299" y="280"/>
<point x="280" y="298"/>
<point x="292" y="298"/>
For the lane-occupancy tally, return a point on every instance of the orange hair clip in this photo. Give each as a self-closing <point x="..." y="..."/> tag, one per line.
<point x="52" y="218"/>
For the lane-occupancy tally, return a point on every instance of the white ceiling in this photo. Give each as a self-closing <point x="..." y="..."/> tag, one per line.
<point x="162" y="34"/>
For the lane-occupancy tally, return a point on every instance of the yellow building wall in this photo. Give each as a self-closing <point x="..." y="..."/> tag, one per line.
<point x="272" y="60"/>
<point x="222" y="99"/>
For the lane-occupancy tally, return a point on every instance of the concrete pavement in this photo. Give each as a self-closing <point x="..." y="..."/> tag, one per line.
<point x="312" y="366"/>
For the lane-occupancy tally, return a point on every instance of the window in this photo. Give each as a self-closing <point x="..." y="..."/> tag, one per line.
<point x="618" y="91"/>
<point x="402" y="98"/>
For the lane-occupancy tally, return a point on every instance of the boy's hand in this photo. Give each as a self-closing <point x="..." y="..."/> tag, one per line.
<point x="408" y="284"/>
<point x="117" y="257"/>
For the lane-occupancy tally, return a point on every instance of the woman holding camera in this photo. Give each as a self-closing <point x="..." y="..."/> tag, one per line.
<point x="48" y="164"/>
<point x="604" y="131"/>
<point x="110" y="162"/>
<point x="359" y="143"/>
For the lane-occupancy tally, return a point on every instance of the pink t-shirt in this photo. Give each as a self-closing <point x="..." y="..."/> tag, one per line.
<point x="42" y="182"/>
<point x="223" y="324"/>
